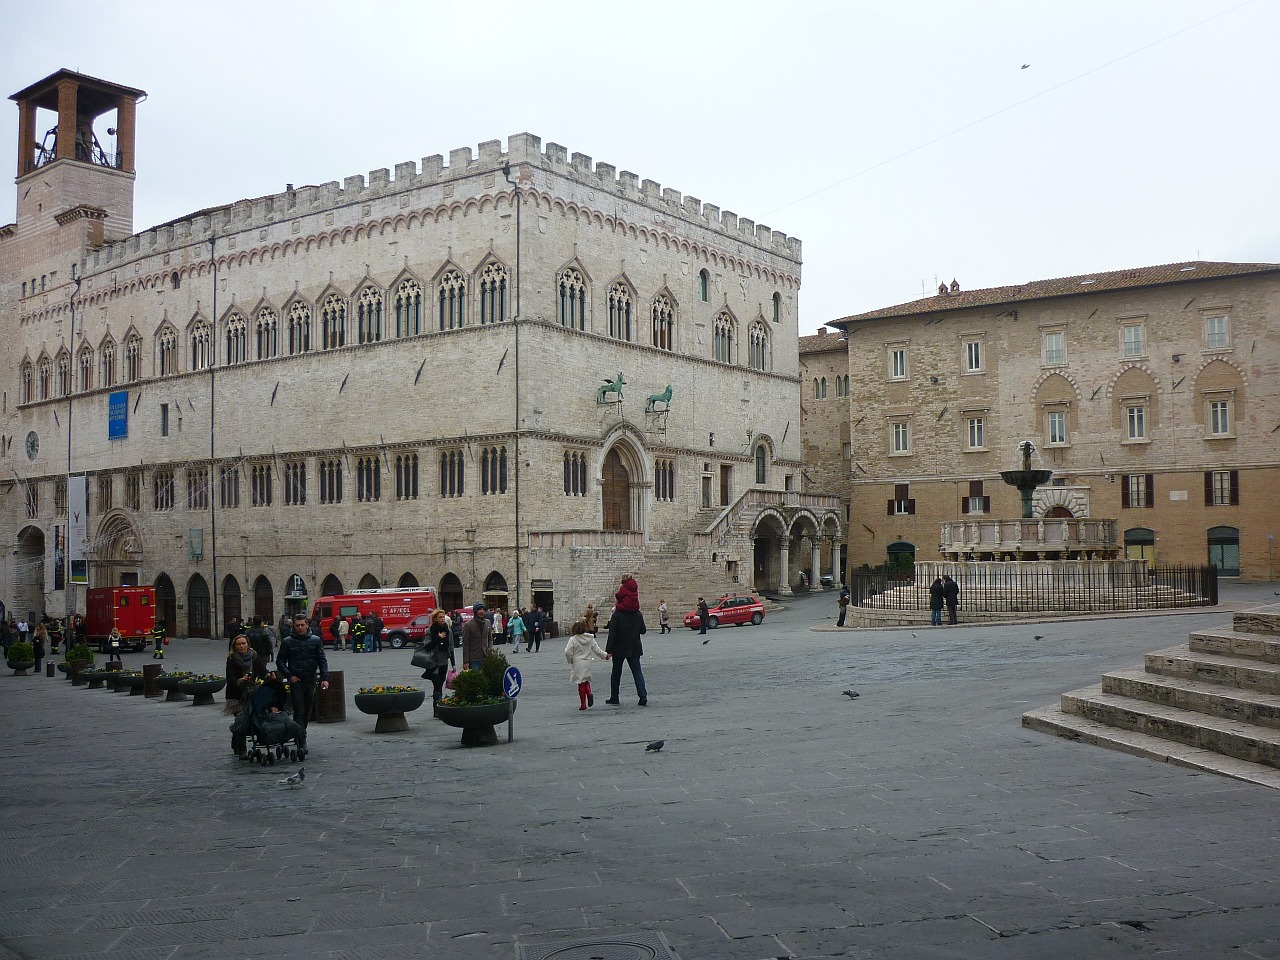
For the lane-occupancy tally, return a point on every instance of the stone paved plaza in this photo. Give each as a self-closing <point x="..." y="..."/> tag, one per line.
<point x="781" y="820"/>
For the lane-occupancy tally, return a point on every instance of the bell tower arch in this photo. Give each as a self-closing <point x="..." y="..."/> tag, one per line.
<point x="84" y="162"/>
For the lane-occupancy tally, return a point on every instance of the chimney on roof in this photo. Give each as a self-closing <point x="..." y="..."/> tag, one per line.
<point x="955" y="287"/>
<point x="942" y="289"/>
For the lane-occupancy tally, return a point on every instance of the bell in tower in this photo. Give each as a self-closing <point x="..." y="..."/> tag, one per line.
<point x="70" y="166"/>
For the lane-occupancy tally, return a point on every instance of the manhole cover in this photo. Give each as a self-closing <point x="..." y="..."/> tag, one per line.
<point x="642" y="946"/>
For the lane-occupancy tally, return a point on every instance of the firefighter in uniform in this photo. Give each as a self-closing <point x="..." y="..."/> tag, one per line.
<point x="158" y="639"/>
<point x="357" y="635"/>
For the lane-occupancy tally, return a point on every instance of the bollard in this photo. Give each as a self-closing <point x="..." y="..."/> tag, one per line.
<point x="149" y="673"/>
<point x="49" y="669"/>
<point x="331" y="704"/>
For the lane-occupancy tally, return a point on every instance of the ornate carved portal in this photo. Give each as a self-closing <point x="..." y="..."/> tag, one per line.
<point x="616" y="492"/>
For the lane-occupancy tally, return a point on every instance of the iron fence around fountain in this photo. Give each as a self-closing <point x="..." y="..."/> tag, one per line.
<point x="1040" y="588"/>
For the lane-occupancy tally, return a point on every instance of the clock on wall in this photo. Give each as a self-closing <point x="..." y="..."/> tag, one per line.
<point x="33" y="445"/>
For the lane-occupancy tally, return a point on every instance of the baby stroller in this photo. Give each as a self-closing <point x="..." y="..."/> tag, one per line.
<point x="271" y="733"/>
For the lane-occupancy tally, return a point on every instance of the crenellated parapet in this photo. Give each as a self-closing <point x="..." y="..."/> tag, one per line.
<point x="491" y="162"/>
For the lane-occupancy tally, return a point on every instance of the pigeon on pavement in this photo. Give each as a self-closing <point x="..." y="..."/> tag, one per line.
<point x="297" y="778"/>
<point x="706" y="641"/>
<point x="852" y="694"/>
<point x="655" y="746"/>
<point x="1038" y="637"/>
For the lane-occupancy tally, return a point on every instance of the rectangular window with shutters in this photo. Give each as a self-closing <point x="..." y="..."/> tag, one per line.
<point x="901" y="504"/>
<point x="975" y="502"/>
<point x="1221" y="488"/>
<point x="1137" y="490"/>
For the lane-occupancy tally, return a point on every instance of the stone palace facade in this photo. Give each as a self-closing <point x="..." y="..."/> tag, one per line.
<point x="396" y="380"/>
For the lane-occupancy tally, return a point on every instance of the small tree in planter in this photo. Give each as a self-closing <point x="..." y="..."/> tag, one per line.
<point x="79" y="659"/>
<point x="22" y="657"/>
<point x="80" y="651"/>
<point x="478" y="702"/>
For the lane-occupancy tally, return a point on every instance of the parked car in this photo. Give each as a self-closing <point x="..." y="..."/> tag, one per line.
<point x="735" y="609"/>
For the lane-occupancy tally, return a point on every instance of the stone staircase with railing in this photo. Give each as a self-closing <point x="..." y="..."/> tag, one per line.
<point x="1211" y="704"/>
<point x="671" y="570"/>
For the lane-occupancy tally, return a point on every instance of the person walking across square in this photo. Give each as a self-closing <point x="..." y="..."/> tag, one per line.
<point x="301" y="659"/>
<point x="625" y="629"/>
<point x="579" y="653"/>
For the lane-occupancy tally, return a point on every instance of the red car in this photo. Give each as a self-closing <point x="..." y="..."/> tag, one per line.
<point x="736" y="610"/>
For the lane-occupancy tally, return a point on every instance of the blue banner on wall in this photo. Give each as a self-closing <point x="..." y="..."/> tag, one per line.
<point x="118" y="416"/>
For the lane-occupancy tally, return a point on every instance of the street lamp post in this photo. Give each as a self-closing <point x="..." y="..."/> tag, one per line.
<point x="68" y="585"/>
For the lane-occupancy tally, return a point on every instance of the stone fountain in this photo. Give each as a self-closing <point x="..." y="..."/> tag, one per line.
<point x="1026" y="479"/>
<point x="1035" y="565"/>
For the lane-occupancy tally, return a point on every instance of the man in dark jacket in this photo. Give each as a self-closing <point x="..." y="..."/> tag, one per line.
<point x="373" y="632"/>
<point x="704" y="612"/>
<point x="301" y="659"/>
<point x="625" y="628"/>
<point x="259" y="640"/>
<point x="951" y="590"/>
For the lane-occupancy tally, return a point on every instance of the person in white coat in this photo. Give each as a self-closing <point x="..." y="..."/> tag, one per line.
<point x="579" y="652"/>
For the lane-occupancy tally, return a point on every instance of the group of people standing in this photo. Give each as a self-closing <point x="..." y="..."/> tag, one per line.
<point x="364" y="633"/>
<point x="943" y="592"/>
<point x="45" y="635"/>
<point x="300" y="661"/>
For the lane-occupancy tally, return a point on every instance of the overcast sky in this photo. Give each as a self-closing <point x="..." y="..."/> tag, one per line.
<point x="901" y="140"/>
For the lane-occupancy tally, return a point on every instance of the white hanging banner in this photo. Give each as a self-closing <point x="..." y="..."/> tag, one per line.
<point x="78" y="527"/>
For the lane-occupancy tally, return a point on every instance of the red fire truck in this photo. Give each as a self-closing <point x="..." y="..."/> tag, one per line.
<point x="131" y="610"/>
<point x="397" y="608"/>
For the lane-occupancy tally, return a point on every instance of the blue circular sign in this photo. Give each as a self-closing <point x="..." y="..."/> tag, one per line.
<point x="511" y="682"/>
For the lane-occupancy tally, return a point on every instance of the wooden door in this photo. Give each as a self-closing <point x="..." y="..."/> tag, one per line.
<point x="726" y="476"/>
<point x="616" y="490"/>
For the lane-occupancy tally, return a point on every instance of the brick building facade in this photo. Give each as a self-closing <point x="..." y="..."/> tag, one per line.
<point x="1151" y="393"/>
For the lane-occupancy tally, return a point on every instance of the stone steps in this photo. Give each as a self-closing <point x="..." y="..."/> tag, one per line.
<point x="1245" y="706"/>
<point x="1211" y="704"/>
<point x="1053" y="720"/>
<point x="1233" y="643"/>
<point x="1231" y="671"/>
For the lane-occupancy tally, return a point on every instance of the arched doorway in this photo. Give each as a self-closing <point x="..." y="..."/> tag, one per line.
<point x="767" y="537"/>
<point x="264" y="602"/>
<point x="167" y="602"/>
<point x="1058" y="512"/>
<point x="198" y="614"/>
<point x="1140" y="544"/>
<point x="615" y="487"/>
<point x="495" y="591"/>
<point x="1224" y="550"/>
<point x="117" y="554"/>
<point x="331" y="586"/>
<point x="451" y="592"/>
<point x="901" y="557"/>
<point x="369" y="582"/>
<point x="295" y="594"/>
<point x="407" y="580"/>
<point x="231" y="598"/>
<point x="28" y="598"/>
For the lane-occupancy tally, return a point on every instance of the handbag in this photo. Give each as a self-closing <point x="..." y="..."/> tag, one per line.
<point x="449" y="677"/>
<point x="423" y="658"/>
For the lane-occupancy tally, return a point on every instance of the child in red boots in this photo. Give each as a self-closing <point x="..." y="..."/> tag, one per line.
<point x="578" y="652"/>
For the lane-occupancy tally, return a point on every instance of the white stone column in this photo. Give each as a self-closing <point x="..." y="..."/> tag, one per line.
<point x="815" y="563"/>
<point x="837" y="575"/>
<point x="784" y="586"/>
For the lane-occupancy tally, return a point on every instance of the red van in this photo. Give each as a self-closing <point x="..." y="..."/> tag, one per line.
<point x="397" y="608"/>
<point x="131" y="610"/>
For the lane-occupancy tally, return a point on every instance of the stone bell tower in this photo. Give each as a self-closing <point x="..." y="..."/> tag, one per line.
<point x="76" y="174"/>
